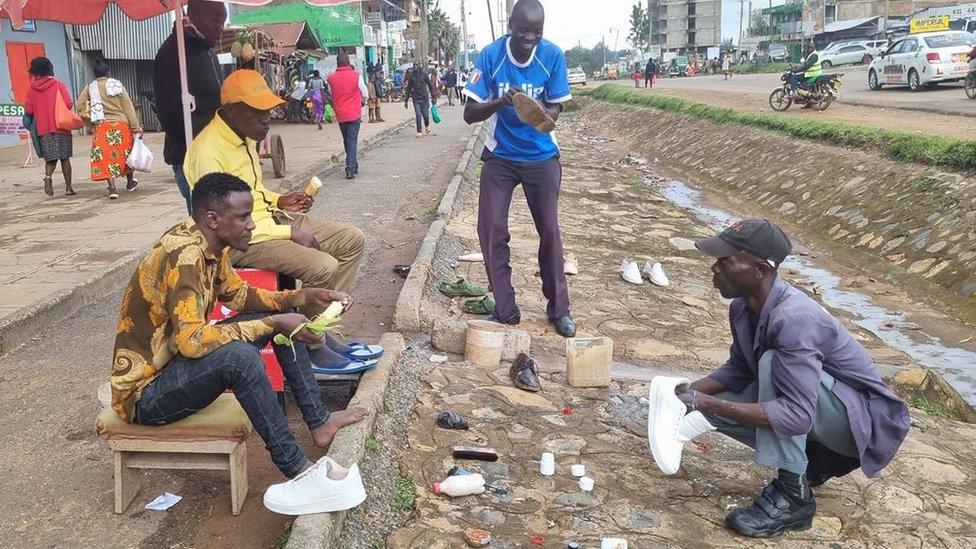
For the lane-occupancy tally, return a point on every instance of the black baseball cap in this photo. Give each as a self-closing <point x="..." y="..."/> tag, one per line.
<point x="760" y="237"/>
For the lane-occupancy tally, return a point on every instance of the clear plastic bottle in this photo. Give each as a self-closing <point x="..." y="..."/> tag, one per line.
<point x="462" y="485"/>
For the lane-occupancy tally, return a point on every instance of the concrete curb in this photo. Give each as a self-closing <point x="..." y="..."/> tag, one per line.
<point x="406" y="315"/>
<point x="23" y="325"/>
<point x="323" y="529"/>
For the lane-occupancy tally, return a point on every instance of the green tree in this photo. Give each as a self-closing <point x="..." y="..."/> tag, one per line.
<point x="759" y="24"/>
<point x="444" y="37"/>
<point x="640" y="27"/>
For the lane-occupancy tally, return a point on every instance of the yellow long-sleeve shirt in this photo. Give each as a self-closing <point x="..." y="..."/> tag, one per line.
<point x="218" y="149"/>
<point x="166" y="307"/>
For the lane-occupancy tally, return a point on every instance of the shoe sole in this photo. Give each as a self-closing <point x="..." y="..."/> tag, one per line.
<point x="330" y="505"/>
<point x="799" y="526"/>
<point x="530" y="112"/>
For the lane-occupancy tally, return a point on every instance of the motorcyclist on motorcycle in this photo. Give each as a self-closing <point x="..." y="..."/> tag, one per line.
<point x="808" y="71"/>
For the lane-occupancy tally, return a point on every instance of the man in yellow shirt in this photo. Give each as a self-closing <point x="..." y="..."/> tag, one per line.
<point x="321" y="254"/>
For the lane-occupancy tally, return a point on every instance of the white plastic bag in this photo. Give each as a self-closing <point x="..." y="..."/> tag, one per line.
<point x="140" y="157"/>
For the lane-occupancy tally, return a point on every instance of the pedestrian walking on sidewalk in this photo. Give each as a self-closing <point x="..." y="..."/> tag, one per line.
<point x="107" y="105"/>
<point x="42" y="97"/>
<point x="379" y="88"/>
<point x="727" y="66"/>
<point x="462" y="81"/>
<point x="450" y="82"/>
<point x="419" y="88"/>
<point x="203" y="28"/>
<point x="517" y="153"/>
<point x="316" y="92"/>
<point x="349" y="94"/>
<point x="649" y="71"/>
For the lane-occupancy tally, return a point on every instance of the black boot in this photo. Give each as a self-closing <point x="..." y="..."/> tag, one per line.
<point x="785" y="504"/>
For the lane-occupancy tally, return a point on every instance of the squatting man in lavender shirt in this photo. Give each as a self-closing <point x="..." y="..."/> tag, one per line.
<point x="797" y="387"/>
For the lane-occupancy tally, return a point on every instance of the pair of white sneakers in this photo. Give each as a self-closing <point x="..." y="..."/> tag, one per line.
<point x="325" y="487"/>
<point x="654" y="272"/>
<point x="669" y="425"/>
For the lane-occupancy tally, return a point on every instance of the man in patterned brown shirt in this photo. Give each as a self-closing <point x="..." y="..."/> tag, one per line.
<point x="171" y="362"/>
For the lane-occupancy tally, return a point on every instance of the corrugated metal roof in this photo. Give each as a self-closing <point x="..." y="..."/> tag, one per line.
<point x="119" y="37"/>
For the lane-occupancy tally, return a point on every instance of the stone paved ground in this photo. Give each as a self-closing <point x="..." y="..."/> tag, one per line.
<point x="611" y="210"/>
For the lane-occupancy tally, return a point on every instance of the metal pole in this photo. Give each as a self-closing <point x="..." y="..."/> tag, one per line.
<point x="741" y="14"/>
<point x="509" y="5"/>
<point x="424" y="38"/>
<point x="185" y="97"/>
<point x="492" y="21"/>
<point x="464" y="33"/>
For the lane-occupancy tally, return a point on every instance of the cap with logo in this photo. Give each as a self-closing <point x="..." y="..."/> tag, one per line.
<point x="760" y="237"/>
<point x="248" y="87"/>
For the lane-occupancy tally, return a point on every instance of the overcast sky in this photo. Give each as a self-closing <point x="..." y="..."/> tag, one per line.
<point x="572" y="22"/>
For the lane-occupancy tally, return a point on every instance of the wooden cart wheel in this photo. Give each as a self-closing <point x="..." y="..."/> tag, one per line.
<point x="277" y="155"/>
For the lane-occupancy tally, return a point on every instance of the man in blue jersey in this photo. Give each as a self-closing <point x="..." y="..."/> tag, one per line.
<point x="519" y="84"/>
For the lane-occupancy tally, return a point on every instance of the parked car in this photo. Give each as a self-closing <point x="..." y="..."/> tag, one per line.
<point x="918" y="60"/>
<point x="577" y="76"/>
<point x="849" y="54"/>
<point x="779" y="52"/>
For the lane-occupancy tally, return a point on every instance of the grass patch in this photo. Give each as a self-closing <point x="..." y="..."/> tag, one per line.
<point x="925" y="183"/>
<point x="749" y="68"/>
<point x="924" y="405"/>
<point x="913" y="148"/>
<point x="371" y="445"/>
<point x="406" y="493"/>
<point x="286" y="535"/>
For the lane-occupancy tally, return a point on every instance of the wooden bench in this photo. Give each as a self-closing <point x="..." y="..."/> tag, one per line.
<point x="213" y="438"/>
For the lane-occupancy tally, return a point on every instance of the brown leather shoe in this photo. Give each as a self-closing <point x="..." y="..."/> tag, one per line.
<point x="524" y="374"/>
<point x="531" y="112"/>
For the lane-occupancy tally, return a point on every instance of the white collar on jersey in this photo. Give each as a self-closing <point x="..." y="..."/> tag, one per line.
<point x="508" y="48"/>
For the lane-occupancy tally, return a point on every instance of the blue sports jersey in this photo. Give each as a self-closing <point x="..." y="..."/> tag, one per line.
<point x="542" y="77"/>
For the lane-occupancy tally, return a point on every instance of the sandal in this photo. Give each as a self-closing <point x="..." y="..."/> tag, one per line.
<point x="132" y="186"/>
<point x="479" y="307"/>
<point x="461" y="288"/>
<point x="48" y="186"/>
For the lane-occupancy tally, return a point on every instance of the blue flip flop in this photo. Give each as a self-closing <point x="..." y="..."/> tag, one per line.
<point x="363" y="351"/>
<point x="350" y="368"/>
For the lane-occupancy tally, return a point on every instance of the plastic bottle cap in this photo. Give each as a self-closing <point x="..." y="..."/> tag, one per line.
<point x="586" y="484"/>
<point x="436" y="488"/>
<point x="578" y="470"/>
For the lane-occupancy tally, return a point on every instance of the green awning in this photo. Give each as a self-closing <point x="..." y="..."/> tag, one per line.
<point x="333" y="26"/>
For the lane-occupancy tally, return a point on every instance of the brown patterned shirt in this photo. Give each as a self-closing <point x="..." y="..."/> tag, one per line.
<point x="166" y="307"/>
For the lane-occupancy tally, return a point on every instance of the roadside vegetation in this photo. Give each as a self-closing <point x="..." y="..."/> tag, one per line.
<point x="914" y="148"/>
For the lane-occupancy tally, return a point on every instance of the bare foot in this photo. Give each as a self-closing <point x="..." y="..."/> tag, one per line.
<point x="323" y="434"/>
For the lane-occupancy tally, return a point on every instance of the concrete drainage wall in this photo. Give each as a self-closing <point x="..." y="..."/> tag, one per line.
<point x="900" y="221"/>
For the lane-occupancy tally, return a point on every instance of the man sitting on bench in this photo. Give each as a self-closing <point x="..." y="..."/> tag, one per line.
<point x="170" y="362"/>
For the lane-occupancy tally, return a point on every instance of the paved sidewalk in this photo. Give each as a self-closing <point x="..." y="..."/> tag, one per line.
<point x="50" y="245"/>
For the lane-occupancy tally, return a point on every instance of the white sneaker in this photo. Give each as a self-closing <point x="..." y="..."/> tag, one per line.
<point x="472" y="258"/>
<point x="668" y="428"/>
<point x="631" y="272"/>
<point x="325" y="487"/>
<point x="655" y="273"/>
<point x="570" y="265"/>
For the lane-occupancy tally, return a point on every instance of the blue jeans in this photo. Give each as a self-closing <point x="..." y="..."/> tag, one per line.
<point x="350" y="142"/>
<point x="421" y="110"/>
<point x="186" y="386"/>
<point x="183" y="185"/>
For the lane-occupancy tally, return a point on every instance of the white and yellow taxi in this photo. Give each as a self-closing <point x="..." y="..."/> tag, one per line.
<point x="923" y="59"/>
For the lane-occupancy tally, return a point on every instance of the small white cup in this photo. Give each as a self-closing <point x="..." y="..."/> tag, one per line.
<point x="548" y="457"/>
<point x="578" y="470"/>
<point x="586" y="484"/>
<point x="547" y="468"/>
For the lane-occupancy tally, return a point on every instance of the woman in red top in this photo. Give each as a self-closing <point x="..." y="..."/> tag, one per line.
<point x="41" y="99"/>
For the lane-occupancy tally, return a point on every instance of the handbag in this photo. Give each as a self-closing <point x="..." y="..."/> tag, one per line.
<point x="64" y="118"/>
<point x="435" y="114"/>
<point x="329" y="112"/>
<point x="140" y="158"/>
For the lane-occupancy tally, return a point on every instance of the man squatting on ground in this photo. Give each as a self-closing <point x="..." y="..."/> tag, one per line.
<point x="170" y="362"/>
<point x="517" y="153"/>
<point x="797" y="387"/>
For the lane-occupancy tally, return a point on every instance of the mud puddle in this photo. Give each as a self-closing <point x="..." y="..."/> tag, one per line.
<point x="957" y="366"/>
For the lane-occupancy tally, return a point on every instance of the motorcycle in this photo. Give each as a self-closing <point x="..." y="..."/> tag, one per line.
<point x="819" y="94"/>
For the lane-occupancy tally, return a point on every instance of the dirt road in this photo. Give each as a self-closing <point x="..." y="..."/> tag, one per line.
<point x="887" y="108"/>
<point x="57" y="487"/>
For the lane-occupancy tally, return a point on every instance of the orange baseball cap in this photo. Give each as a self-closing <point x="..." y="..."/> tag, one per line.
<point x="248" y="87"/>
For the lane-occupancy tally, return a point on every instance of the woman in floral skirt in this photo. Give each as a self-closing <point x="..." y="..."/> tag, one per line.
<point x="108" y="106"/>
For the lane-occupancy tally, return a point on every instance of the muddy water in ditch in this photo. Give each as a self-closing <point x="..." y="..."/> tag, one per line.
<point x="958" y="366"/>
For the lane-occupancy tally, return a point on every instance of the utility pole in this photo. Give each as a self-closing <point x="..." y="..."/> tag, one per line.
<point x="742" y="4"/>
<point x="492" y="21"/>
<point x="424" y="38"/>
<point x="509" y="5"/>
<point x="464" y="34"/>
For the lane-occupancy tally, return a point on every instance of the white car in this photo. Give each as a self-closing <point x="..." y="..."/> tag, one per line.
<point x="923" y="59"/>
<point x="848" y="54"/>
<point x="577" y="76"/>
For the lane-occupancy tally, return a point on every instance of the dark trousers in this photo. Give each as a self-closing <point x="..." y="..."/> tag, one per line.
<point x="350" y="141"/>
<point x="460" y="95"/>
<point x="421" y="109"/>
<point x="540" y="182"/>
<point x="189" y="385"/>
<point x="649" y="81"/>
<point x="183" y="186"/>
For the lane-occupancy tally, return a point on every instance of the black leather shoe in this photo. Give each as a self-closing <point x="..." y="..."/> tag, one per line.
<point x="825" y="464"/>
<point x="775" y="511"/>
<point x="524" y="374"/>
<point x="565" y="326"/>
<point x="350" y="174"/>
<point x="511" y="321"/>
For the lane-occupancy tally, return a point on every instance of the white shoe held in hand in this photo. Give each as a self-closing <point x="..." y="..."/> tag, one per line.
<point x="570" y="265"/>
<point x="472" y="258"/>
<point x="655" y="273"/>
<point x="325" y="487"/>
<point x="668" y="428"/>
<point x="631" y="272"/>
